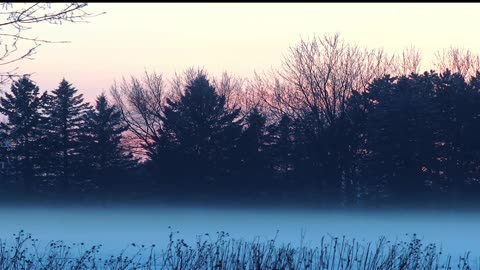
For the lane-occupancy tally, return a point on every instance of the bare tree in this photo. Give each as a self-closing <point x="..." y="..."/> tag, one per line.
<point x="408" y="62"/>
<point x="462" y="61"/>
<point x="231" y="87"/>
<point x="140" y="100"/>
<point x="250" y="98"/>
<point x="319" y="75"/>
<point x="16" y="19"/>
<point x="267" y="90"/>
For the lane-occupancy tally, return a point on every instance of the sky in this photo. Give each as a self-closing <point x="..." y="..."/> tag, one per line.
<point x="236" y="37"/>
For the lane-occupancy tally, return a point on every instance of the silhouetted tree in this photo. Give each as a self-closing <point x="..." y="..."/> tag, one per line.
<point x="104" y="152"/>
<point x="66" y="113"/>
<point x="141" y="101"/>
<point x="281" y="151"/>
<point x="23" y="108"/>
<point x="356" y="118"/>
<point x="313" y="87"/>
<point x="253" y="152"/>
<point x="457" y="138"/>
<point x="401" y="133"/>
<point x="198" y="135"/>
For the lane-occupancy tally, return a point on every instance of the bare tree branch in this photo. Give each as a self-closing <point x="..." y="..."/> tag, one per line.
<point x="140" y="102"/>
<point x="231" y="87"/>
<point x="458" y="60"/>
<point x="17" y="18"/>
<point x="319" y="75"/>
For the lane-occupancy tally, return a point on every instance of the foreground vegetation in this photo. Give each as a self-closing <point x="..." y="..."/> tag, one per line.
<point x="224" y="252"/>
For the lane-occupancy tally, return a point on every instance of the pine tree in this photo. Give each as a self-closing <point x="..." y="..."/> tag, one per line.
<point x="66" y="112"/>
<point x="22" y="128"/>
<point x="253" y="151"/>
<point x="458" y="144"/>
<point x="198" y="134"/>
<point x="104" y="152"/>
<point x="401" y="133"/>
<point x="281" y="149"/>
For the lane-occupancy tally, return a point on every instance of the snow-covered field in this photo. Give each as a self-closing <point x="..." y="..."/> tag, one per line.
<point x="117" y="227"/>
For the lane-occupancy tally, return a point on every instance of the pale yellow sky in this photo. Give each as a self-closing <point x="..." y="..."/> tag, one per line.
<point x="236" y="37"/>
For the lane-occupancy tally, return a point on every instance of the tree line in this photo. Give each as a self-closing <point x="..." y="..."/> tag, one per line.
<point x="335" y="123"/>
<point x="58" y="140"/>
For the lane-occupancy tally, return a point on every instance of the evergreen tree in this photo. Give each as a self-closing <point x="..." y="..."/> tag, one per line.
<point x="23" y="128"/>
<point x="355" y="185"/>
<point x="282" y="146"/>
<point x="254" y="164"/>
<point x="458" y="103"/>
<point x="66" y="113"/>
<point x="401" y="133"/>
<point x="198" y="135"/>
<point x="105" y="155"/>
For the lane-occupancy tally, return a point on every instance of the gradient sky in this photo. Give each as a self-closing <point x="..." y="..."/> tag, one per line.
<point x="236" y="37"/>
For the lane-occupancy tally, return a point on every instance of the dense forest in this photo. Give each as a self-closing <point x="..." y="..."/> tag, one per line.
<point x="336" y="123"/>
